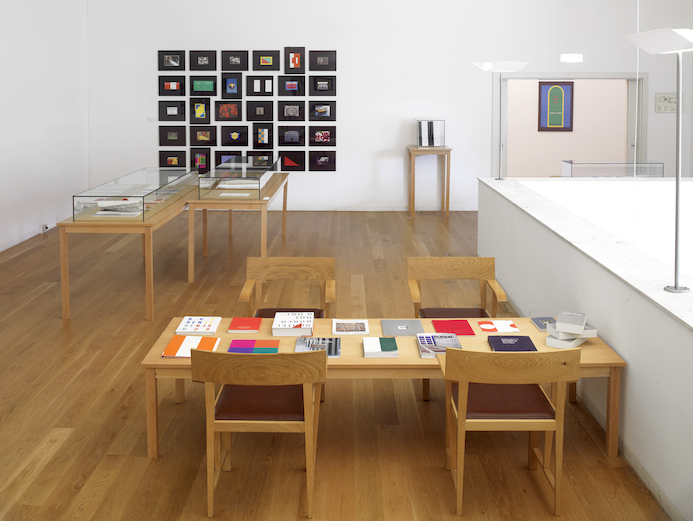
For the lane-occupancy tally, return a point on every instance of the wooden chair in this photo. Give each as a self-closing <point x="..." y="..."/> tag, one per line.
<point x="261" y="269"/>
<point x="482" y="269"/>
<point x="260" y="393"/>
<point x="500" y="392"/>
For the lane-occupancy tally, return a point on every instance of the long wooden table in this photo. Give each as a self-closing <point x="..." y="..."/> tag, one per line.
<point x="597" y="360"/>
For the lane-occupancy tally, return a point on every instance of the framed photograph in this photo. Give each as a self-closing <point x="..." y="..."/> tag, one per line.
<point x="665" y="102"/>
<point x="171" y="85"/>
<point x="236" y="136"/>
<point x="203" y="85"/>
<point x="234" y="60"/>
<point x="292" y="86"/>
<point x="203" y="60"/>
<point x="259" y="111"/>
<point x="172" y="136"/>
<point x="199" y="111"/>
<point x="259" y="86"/>
<point x="265" y="60"/>
<point x="171" y="60"/>
<point x="203" y="136"/>
<point x="172" y="158"/>
<point x="292" y="136"/>
<point x="294" y="60"/>
<point x="291" y="110"/>
<point x="263" y="135"/>
<point x="322" y="161"/>
<point x="231" y="87"/>
<point x="293" y="160"/>
<point x="323" y="60"/>
<point x="323" y="85"/>
<point x="200" y="159"/>
<point x="222" y="156"/>
<point x="259" y="158"/>
<point x="323" y="136"/>
<point x="322" y="111"/>
<point x="229" y="111"/>
<point x="556" y="106"/>
<point x="172" y="111"/>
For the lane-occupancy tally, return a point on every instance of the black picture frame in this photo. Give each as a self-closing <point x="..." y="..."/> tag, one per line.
<point x="172" y="110"/>
<point x="203" y="60"/>
<point x="172" y="159"/>
<point x="294" y="60"/>
<point x="203" y="85"/>
<point x="172" y="136"/>
<point x="291" y="110"/>
<point x="259" y="85"/>
<point x="322" y="136"/>
<point x="555" y="106"/>
<point x="322" y="60"/>
<point x="171" y="85"/>
<point x="263" y="136"/>
<point x="260" y="158"/>
<point x="200" y="159"/>
<point x="203" y="135"/>
<point x="228" y="110"/>
<point x="231" y="85"/>
<point x="322" y="161"/>
<point x="293" y="160"/>
<point x="265" y="60"/>
<point x="234" y="136"/>
<point x="199" y="110"/>
<point x="291" y="136"/>
<point x="322" y="111"/>
<point x="291" y="86"/>
<point x="259" y="111"/>
<point x="171" y="60"/>
<point x="322" y="85"/>
<point x="234" y="60"/>
<point x="221" y="156"/>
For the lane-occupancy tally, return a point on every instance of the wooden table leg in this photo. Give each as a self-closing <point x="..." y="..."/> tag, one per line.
<point x="180" y="390"/>
<point x="230" y="222"/>
<point x="64" y="273"/>
<point x="447" y="185"/>
<point x="152" y="413"/>
<point x="286" y="191"/>
<point x="412" y="183"/>
<point x="204" y="232"/>
<point x="612" y="411"/>
<point x="149" y="272"/>
<point x="572" y="392"/>
<point x="191" y="244"/>
<point x="263" y="231"/>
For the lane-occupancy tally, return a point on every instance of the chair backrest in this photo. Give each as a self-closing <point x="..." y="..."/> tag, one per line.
<point x="259" y="369"/>
<point x="512" y="367"/>
<point x="300" y="268"/>
<point x="451" y="268"/>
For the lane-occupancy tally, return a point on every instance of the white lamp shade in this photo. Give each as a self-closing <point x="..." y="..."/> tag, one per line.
<point x="501" y="66"/>
<point x="663" y="41"/>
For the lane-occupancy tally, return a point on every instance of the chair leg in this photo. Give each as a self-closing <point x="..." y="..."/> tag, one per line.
<point x="459" y="464"/>
<point x="226" y="442"/>
<point x="449" y="428"/>
<point x="210" y="471"/>
<point x="426" y="389"/>
<point x="532" y="461"/>
<point x="558" y="474"/>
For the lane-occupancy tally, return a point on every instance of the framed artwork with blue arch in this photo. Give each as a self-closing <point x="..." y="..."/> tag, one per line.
<point x="556" y="106"/>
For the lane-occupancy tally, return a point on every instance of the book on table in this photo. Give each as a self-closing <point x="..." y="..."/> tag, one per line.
<point x="430" y="344"/>
<point x="245" y="325"/>
<point x="198" y="325"/>
<point x="180" y="345"/>
<point x="511" y="343"/>
<point x="349" y="327"/>
<point x="541" y="322"/>
<point x="333" y="346"/>
<point x="456" y="327"/>
<point x="568" y="343"/>
<point x="589" y="332"/>
<point x="498" y="326"/>
<point x="380" y="347"/>
<point x="293" y="323"/>
<point x="569" y="322"/>
<point x="239" y="345"/>
<point x="406" y="327"/>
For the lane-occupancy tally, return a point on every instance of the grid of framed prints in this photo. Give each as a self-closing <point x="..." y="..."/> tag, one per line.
<point x="215" y="105"/>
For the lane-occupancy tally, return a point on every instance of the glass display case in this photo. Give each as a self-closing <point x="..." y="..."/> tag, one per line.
<point x="136" y="196"/>
<point x="571" y="168"/>
<point x="239" y="178"/>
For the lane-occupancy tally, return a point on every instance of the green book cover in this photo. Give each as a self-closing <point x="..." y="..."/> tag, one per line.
<point x="388" y="344"/>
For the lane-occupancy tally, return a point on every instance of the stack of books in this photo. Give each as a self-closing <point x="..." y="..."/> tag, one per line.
<point x="570" y="330"/>
<point x="380" y="347"/>
<point x="293" y="324"/>
<point x="431" y="344"/>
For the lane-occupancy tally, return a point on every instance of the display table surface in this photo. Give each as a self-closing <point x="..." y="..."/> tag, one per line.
<point x="597" y="360"/>
<point x="414" y="151"/>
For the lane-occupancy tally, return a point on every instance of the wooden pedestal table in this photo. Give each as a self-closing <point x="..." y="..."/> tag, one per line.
<point x="268" y="193"/>
<point x="423" y="151"/>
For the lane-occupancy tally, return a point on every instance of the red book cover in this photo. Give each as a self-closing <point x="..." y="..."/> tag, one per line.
<point x="245" y="325"/>
<point x="456" y="327"/>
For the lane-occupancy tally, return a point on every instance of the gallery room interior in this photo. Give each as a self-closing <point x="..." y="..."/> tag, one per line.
<point x="595" y="217"/>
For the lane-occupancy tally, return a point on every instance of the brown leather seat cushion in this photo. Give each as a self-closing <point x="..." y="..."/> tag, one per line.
<point x="453" y="313"/>
<point x="270" y="312"/>
<point x="491" y="401"/>
<point x="275" y="402"/>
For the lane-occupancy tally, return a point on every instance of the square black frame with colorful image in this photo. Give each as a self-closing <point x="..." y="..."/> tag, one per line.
<point x="259" y="85"/>
<point x="171" y="60"/>
<point x="234" y="136"/>
<point x="171" y="85"/>
<point x="260" y="158"/>
<point x="291" y="110"/>
<point x="294" y="60"/>
<point x="229" y="110"/>
<point x="293" y="160"/>
<point x="323" y="136"/>
<point x="323" y="85"/>
<point x="322" y="111"/>
<point x="291" y="136"/>
<point x="203" y="85"/>
<point x="203" y="60"/>
<point x="234" y="60"/>
<point x="172" y="158"/>
<point x="263" y="135"/>
<point x="291" y="85"/>
<point x="203" y="136"/>
<point x="231" y="85"/>
<point x="323" y="61"/>
<point x="221" y="156"/>
<point x="199" y="110"/>
<point x="322" y="161"/>
<point x="172" y="136"/>
<point x="265" y="60"/>
<point x="259" y="111"/>
<point x="172" y="110"/>
<point x="200" y="159"/>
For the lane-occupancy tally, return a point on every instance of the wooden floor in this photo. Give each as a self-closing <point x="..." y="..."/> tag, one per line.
<point x="72" y="412"/>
